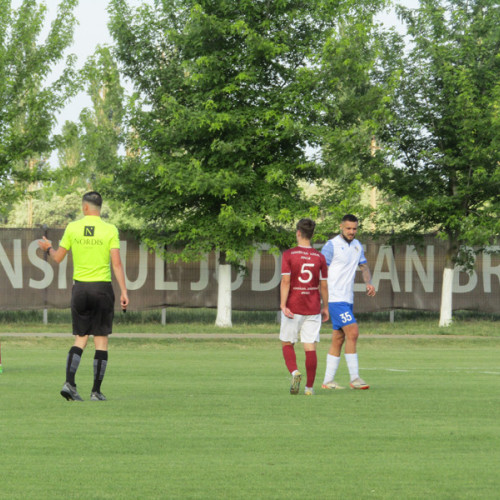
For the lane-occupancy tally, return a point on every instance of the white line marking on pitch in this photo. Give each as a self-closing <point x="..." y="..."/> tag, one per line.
<point x="452" y="370"/>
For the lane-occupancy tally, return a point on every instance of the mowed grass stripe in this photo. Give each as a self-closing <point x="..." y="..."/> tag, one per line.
<point x="213" y="419"/>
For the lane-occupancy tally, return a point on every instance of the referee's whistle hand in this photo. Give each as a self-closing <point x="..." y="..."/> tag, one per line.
<point x="44" y="243"/>
<point x="124" y="301"/>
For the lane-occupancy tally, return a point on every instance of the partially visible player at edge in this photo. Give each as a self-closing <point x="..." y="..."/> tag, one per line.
<point x="343" y="255"/>
<point x="94" y="244"/>
<point x="303" y="284"/>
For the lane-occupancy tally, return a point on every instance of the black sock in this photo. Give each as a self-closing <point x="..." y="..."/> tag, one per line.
<point x="72" y="363"/>
<point x="100" y="363"/>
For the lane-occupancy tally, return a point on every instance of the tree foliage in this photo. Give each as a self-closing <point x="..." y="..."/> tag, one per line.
<point x="88" y="150"/>
<point x="102" y="124"/>
<point x="356" y="86"/>
<point x="69" y="175"/>
<point x="230" y="96"/>
<point x="56" y="211"/>
<point x="29" y="101"/>
<point x="443" y="139"/>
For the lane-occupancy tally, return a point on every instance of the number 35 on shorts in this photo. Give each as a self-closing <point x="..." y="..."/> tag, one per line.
<point x="341" y="314"/>
<point x="345" y="317"/>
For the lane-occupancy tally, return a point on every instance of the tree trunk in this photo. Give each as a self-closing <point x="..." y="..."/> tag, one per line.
<point x="445" y="317"/>
<point x="224" y="305"/>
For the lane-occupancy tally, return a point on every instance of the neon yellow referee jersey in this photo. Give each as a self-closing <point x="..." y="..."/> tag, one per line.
<point x="90" y="239"/>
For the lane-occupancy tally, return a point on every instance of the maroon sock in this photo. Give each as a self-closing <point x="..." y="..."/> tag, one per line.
<point x="290" y="359"/>
<point x="311" y="365"/>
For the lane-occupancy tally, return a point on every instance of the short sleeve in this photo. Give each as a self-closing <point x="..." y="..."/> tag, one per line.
<point x="115" y="239"/>
<point x="362" y="258"/>
<point x="285" y="263"/>
<point x="66" y="239"/>
<point x="327" y="251"/>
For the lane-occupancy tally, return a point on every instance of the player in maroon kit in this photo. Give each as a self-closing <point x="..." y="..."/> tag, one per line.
<point x="303" y="288"/>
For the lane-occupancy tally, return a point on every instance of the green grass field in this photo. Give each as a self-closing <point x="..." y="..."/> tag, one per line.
<point x="213" y="419"/>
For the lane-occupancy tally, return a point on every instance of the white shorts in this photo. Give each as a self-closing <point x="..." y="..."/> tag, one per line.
<point x="307" y="326"/>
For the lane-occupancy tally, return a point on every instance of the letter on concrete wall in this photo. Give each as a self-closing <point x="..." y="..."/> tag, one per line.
<point x="14" y="272"/>
<point x="43" y="265"/>
<point x="413" y="261"/>
<point x="385" y="253"/>
<point x="160" y="283"/>
<point x="257" y="285"/>
<point x="488" y="270"/>
<point x="469" y="286"/>
<point x="200" y="285"/>
<point x="142" y="273"/>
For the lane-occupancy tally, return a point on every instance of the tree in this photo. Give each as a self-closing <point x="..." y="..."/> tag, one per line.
<point x="57" y="210"/>
<point x="228" y="101"/>
<point x="88" y="150"/>
<point x="54" y="212"/>
<point x="69" y="175"/>
<point x="443" y="173"/>
<point x="28" y="103"/>
<point x="356" y="86"/>
<point x="102" y="124"/>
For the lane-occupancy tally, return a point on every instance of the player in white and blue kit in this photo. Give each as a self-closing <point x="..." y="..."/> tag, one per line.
<point x="343" y="255"/>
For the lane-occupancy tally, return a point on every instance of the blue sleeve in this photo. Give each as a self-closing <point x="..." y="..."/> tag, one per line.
<point x="327" y="251"/>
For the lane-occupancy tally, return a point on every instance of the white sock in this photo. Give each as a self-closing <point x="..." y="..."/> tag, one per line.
<point x="295" y="372"/>
<point x="352" y="365"/>
<point x="332" y="363"/>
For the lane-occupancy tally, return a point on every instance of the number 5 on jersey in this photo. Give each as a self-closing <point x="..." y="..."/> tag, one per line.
<point x="308" y="275"/>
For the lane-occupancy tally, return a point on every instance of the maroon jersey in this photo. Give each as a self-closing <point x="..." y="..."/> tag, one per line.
<point x="306" y="267"/>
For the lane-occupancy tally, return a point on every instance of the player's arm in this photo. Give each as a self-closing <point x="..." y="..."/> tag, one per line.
<point x="323" y="285"/>
<point x="116" y="264"/>
<point x="56" y="255"/>
<point x="284" y="292"/>
<point x="323" y="290"/>
<point x="367" y="278"/>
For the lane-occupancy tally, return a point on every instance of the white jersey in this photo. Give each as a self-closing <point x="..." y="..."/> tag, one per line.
<point x="343" y="259"/>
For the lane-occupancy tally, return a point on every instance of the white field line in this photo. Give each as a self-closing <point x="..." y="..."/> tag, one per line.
<point x="449" y="370"/>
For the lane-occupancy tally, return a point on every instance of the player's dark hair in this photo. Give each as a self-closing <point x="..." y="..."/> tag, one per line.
<point x="93" y="197"/>
<point x="349" y="218"/>
<point x="306" y="228"/>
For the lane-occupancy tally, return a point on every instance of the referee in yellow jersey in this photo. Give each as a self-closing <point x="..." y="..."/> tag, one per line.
<point x="94" y="244"/>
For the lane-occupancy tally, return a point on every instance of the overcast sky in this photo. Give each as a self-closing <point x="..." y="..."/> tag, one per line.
<point x="92" y="31"/>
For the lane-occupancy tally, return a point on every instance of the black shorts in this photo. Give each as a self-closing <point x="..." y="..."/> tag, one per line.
<point x="92" y="308"/>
